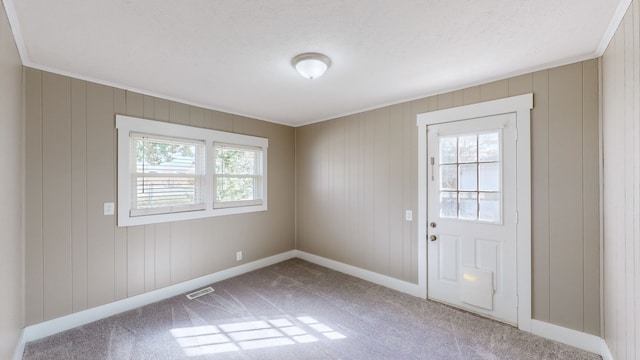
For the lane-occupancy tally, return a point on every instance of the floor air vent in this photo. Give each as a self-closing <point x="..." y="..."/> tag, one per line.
<point x="199" y="293"/>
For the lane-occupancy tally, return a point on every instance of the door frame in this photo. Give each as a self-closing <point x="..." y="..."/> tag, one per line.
<point x="520" y="105"/>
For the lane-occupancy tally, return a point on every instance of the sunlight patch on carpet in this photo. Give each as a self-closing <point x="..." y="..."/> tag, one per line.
<point x="248" y="335"/>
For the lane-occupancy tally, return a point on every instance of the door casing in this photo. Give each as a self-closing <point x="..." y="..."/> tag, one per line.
<point x="520" y="105"/>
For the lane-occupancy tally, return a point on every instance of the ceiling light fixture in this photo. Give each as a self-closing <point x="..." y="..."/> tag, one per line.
<point x="311" y="65"/>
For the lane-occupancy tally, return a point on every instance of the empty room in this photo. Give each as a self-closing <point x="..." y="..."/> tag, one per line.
<point x="320" y="179"/>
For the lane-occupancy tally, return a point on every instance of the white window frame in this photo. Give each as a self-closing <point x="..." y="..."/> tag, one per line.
<point x="127" y="125"/>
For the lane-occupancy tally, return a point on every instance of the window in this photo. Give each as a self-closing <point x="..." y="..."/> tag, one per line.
<point x="170" y="172"/>
<point x="470" y="174"/>
<point x="167" y="174"/>
<point x="238" y="176"/>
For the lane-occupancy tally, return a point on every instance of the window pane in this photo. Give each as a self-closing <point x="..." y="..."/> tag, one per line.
<point x="448" y="177"/>
<point x="489" y="177"/>
<point x="238" y="173"/>
<point x="448" y="150"/>
<point x="448" y="204"/>
<point x="236" y="161"/>
<point x="489" y="147"/>
<point x="468" y="177"/>
<point x="468" y="205"/>
<point x="168" y="172"/>
<point x="152" y="192"/>
<point x="490" y="207"/>
<point x="467" y="148"/>
<point x="235" y="189"/>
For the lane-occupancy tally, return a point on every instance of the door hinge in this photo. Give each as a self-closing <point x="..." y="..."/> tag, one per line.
<point x="516" y="217"/>
<point x="516" y="136"/>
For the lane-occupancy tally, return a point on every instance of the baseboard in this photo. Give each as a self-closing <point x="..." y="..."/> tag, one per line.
<point x="54" y="326"/>
<point x="383" y="280"/>
<point x="584" y="341"/>
<point x="605" y="352"/>
<point x="19" y="350"/>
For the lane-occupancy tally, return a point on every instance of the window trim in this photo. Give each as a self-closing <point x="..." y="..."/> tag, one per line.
<point x="126" y="125"/>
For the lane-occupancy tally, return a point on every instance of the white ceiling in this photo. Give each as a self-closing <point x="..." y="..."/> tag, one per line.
<point x="235" y="56"/>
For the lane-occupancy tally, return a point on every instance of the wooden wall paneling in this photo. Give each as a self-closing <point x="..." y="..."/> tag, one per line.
<point x="458" y="98"/>
<point x="56" y="195"/>
<point x="445" y="101"/>
<point x="396" y="185"/>
<point x="148" y="107"/>
<point x="631" y="184"/>
<point x="162" y="255"/>
<point x="335" y="232"/>
<point x="221" y="121"/>
<point x="635" y="6"/>
<point x="149" y="257"/>
<point x="616" y="211"/>
<point x="471" y="95"/>
<point x="305" y="185"/>
<point x="382" y="181"/>
<point x="79" y="193"/>
<point x="180" y="238"/>
<point x="322" y="200"/>
<point x="432" y="103"/>
<point x="196" y="116"/>
<point x="200" y="249"/>
<point x="178" y="113"/>
<point x="408" y="122"/>
<point x="120" y="241"/>
<point x="414" y="198"/>
<point x="416" y="107"/>
<point x="609" y="187"/>
<point x="522" y="85"/>
<point x="135" y="260"/>
<point x="494" y="90"/>
<point x="135" y="104"/>
<point x="591" y="187"/>
<point x="34" y="277"/>
<point x="368" y="221"/>
<point x="351" y="187"/>
<point x="135" y="235"/>
<point x="566" y="202"/>
<point x="540" y="236"/>
<point x="161" y="109"/>
<point x="100" y="189"/>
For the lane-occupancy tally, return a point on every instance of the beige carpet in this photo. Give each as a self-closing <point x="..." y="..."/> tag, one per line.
<point x="298" y="310"/>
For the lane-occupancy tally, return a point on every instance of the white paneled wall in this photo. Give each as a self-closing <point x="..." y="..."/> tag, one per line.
<point x="621" y="147"/>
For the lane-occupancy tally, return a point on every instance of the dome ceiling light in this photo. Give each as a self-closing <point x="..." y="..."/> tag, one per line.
<point x="311" y="65"/>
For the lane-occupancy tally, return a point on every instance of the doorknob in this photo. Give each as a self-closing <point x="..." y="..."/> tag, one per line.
<point x="432" y="224"/>
<point x="433" y="238"/>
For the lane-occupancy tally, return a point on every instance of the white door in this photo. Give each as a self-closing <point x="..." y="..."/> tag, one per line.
<point x="471" y="234"/>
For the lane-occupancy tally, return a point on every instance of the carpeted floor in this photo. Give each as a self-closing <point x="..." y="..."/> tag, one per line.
<point x="298" y="310"/>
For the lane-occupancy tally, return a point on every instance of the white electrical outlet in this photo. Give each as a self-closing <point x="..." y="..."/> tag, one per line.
<point x="238" y="255"/>
<point x="408" y="215"/>
<point x="109" y="209"/>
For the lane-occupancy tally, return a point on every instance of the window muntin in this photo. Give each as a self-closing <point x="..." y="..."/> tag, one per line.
<point x="171" y="178"/>
<point x="238" y="175"/>
<point x="470" y="172"/>
<point x="167" y="174"/>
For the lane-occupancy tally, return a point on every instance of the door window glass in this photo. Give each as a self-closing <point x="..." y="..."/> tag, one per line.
<point x="470" y="177"/>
